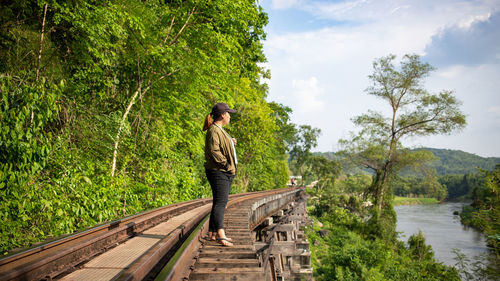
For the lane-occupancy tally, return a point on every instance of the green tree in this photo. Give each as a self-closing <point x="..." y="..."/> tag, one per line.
<point x="286" y="130"/>
<point x="419" y="250"/>
<point x="484" y="212"/>
<point x="306" y="138"/>
<point x="323" y="170"/>
<point x="413" y="112"/>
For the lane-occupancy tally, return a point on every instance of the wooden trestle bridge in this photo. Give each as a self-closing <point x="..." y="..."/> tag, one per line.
<point x="167" y="244"/>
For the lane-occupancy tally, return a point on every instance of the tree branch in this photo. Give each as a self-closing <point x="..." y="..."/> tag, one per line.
<point x="169" y="30"/>
<point x="184" y="26"/>
<point x="420" y="122"/>
<point x="369" y="166"/>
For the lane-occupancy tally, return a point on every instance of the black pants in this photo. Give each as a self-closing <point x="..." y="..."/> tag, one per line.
<point x="221" y="185"/>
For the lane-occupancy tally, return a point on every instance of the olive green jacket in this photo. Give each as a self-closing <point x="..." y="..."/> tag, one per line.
<point x="219" y="153"/>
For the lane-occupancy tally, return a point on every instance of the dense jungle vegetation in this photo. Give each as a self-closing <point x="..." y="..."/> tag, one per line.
<point x="453" y="175"/>
<point x="484" y="214"/>
<point x="343" y="247"/>
<point x="103" y="104"/>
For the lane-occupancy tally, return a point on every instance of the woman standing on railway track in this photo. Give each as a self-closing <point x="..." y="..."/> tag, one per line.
<point x="220" y="167"/>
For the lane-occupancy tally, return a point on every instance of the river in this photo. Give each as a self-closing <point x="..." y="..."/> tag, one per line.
<point x="442" y="230"/>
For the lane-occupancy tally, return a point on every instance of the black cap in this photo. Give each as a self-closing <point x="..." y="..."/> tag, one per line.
<point x="220" y="108"/>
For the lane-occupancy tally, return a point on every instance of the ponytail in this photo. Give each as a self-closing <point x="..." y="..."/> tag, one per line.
<point x="208" y="122"/>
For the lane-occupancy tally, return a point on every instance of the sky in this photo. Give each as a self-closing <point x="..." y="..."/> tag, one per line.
<point x="320" y="54"/>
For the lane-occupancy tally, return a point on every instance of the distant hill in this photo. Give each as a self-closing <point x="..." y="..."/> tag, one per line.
<point x="451" y="161"/>
<point x="460" y="162"/>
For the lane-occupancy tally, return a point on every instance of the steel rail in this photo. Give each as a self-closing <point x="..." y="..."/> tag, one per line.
<point x="53" y="258"/>
<point x="49" y="259"/>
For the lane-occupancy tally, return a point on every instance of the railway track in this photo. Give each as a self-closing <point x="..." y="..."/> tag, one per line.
<point x="160" y="243"/>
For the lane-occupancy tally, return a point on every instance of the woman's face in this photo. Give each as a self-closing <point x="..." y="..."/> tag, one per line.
<point x="226" y="118"/>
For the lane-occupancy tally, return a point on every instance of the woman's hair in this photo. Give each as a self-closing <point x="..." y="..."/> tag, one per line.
<point x="209" y="120"/>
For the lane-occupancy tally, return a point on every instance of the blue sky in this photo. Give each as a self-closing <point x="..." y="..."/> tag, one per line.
<point x="321" y="52"/>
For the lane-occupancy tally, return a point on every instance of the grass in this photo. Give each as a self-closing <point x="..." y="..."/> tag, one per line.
<point x="413" y="201"/>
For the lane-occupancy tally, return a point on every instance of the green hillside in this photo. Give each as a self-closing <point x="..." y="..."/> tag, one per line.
<point x="450" y="162"/>
<point x="460" y="162"/>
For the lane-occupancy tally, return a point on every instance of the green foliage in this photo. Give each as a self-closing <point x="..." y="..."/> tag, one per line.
<point x="25" y="141"/>
<point x="265" y="158"/>
<point x="346" y="254"/>
<point x="357" y="183"/>
<point x="484" y="212"/>
<point x="481" y="268"/>
<point x="286" y="130"/>
<point x="349" y="246"/>
<point x="419" y="250"/>
<point x="413" y="200"/>
<point x="321" y="171"/>
<point x="413" y="186"/>
<point x="306" y="138"/>
<point x="113" y="126"/>
<point x="460" y="186"/>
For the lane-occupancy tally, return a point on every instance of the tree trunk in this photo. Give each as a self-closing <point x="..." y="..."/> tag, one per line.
<point x="122" y="123"/>
<point x="41" y="42"/>
<point x="382" y="186"/>
<point x="376" y="189"/>
<point x="39" y="57"/>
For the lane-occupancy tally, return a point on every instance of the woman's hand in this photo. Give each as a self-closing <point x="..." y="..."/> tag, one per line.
<point x="234" y="141"/>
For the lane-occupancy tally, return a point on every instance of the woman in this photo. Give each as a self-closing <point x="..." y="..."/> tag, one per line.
<point x="220" y="167"/>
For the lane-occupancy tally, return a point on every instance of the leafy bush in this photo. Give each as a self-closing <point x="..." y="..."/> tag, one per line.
<point x="345" y="253"/>
<point x="484" y="212"/>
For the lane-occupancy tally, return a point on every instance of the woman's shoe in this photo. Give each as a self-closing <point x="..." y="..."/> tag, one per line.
<point x="224" y="242"/>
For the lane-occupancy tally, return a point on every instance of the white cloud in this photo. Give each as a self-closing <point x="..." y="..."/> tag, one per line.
<point x="477" y="42"/>
<point x="495" y="110"/>
<point x="400" y="8"/>
<point x="469" y="21"/>
<point x="284" y="4"/>
<point x="336" y="10"/>
<point x="307" y="93"/>
<point x="451" y="72"/>
<point x="449" y="12"/>
<point x="340" y="54"/>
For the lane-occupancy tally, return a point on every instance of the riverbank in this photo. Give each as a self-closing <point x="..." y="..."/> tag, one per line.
<point x="400" y="201"/>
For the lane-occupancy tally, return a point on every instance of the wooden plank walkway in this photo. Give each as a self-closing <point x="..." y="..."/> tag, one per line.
<point x="239" y="262"/>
